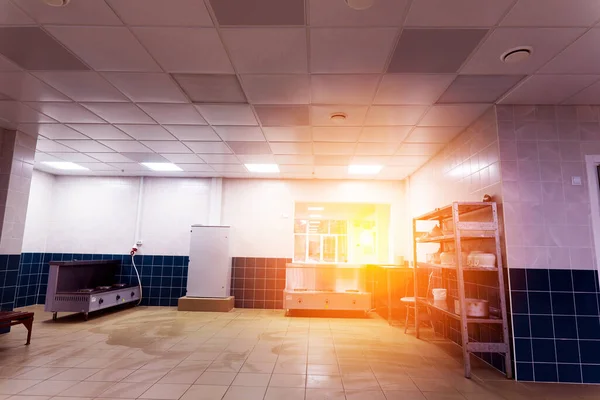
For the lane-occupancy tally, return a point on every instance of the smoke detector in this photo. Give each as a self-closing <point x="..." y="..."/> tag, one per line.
<point x="359" y="4"/>
<point x="57" y="3"/>
<point x="516" y="55"/>
<point x="338" y="117"/>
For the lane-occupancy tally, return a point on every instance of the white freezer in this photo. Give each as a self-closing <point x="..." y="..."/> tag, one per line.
<point x="209" y="269"/>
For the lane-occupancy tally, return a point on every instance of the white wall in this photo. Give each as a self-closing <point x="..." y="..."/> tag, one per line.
<point x="261" y="212"/>
<point x="39" y="211"/>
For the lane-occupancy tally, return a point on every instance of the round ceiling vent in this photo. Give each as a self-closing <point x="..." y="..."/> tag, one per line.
<point x="360" y="4"/>
<point x="516" y="55"/>
<point x="338" y="117"/>
<point x="57" y="3"/>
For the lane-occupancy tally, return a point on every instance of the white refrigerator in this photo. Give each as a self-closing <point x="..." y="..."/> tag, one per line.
<point x="209" y="269"/>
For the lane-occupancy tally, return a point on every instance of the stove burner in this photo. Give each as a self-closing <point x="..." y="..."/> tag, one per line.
<point x="102" y="287"/>
<point x="85" y="290"/>
<point x="119" y="285"/>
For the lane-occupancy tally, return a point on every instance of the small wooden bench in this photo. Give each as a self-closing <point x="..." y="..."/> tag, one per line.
<point x="11" y="318"/>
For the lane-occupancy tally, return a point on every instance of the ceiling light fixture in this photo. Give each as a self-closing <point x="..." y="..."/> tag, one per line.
<point x="57" y="3"/>
<point x="65" y="165"/>
<point x="360" y="4"/>
<point x="316" y="208"/>
<point x="162" y="167"/>
<point x="315" y="216"/>
<point x="314" y="222"/>
<point x="338" y="117"/>
<point x="364" y="169"/>
<point x="516" y="54"/>
<point x="264" y="168"/>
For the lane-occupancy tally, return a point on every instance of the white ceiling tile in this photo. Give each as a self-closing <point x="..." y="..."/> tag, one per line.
<point x="146" y="132"/>
<point x="162" y="13"/>
<point x="337" y="13"/>
<point x="100" y="131"/>
<point x="394" y="172"/>
<point x="182" y="158"/>
<point x="82" y="85"/>
<point x="227" y="114"/>
<point x="105" y="48"/>
<point x="124" y="146"/>
<point x="412" y="88"/>
<point x="267" y="50"/>
<point x="355" y="115"/>
<point x="394" y="115"/>
<point x="119" y="113"/>
<point x="586" y="53"/>
<point x="419" y="149"/>
<point x="331" y="171"/>
<point x="208" y="147"/>
<point x="41" y="157"/>
<point x="294" y="159"/>
<point x="196" y="167"/>
<point x="90" y="12"/>
<point x="7" y="65"/>
<point x="25" y="87"/>
<point x="410" y="161"/>
<point x="74" y="157"/>
<point x="590" y="95"/>
<point x="384" y="133"/>
<point x="166" y="44"/>
<point x="129" y="167"/>
<point x="553" y="13"/>
<point x="333" y="148"/>
<point x="333" y="159"/>
<point x="86" y="146"/>
<point x="463" y="13"/>
<point x="256" y="158"/>
<point x="370" y="160"/>
<point x="336" y="134"/>
<point x="46" y="145"/>
<point x="287" y="133"/>
<point x="166" y="146"/>
<point x="433" y="134"/>
<point x="453" y="114"/>
<point x="193" y="132"/>
<point x="13" y="111"/>
<point x="51" y="131"/>
<point x="97" y="166"/>
<point x="548" y="89"/>
<point x="13" y="15"/>
<point x="229" y="168"/>
<point x="174" y="114"/>
<point x="219" y="158"/>
<point x="291" y="147"/>
<point x="347" y="50"/>
<point x="147" y="87"/>
<point x="372" y="149"/>
<point x="343" y="89"/>
<point x="67" y="112"/>
<point x="546" y="43"/>
<point x="296" y="169"/>
<point x="277" y="89"/>
<point x="240" y="133"/>
<point x="111" y="157"/>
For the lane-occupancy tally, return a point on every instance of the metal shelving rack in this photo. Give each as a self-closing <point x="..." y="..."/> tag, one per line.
<point x="466" y="230"/>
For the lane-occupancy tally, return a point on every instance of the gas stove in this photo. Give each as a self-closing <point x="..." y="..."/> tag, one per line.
<point x="102" y="289"/>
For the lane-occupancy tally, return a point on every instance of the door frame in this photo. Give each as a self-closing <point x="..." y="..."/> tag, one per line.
<point x="591" y="165"/>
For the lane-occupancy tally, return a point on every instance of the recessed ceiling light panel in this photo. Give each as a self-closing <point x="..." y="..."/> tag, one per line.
<point x="338" y="117"/>
<point x="360" y="4"/>
<point x="57" y="3"/>
<point x="162" y="167"/>
<point x="263" y="168"/>
<point x="516" y="55"/>
<point x="364" y="169"/>
<point x="64" y="165"/>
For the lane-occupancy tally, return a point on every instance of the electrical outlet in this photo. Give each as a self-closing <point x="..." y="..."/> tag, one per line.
<point x="576" y="181"/>
<point x="139" y="243"/>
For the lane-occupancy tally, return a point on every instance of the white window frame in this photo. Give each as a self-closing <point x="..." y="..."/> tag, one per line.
<point x="306" y="234"/>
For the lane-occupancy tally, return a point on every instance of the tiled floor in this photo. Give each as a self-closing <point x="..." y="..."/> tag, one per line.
<point x="161" y="354"/>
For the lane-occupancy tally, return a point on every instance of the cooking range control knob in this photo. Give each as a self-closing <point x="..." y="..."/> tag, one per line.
<point x="100" y="301"/>
<point x="132" y="294"/>
<point x="118" y="297"/>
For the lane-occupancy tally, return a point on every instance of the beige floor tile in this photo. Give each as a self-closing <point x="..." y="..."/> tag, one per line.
<point x="75" y="374"/>
<point x="324" y="382"/>
<point x="165" y="391"/>
<point x="288" y="380"/>
<point x="258" y="367"/>
<point x="364" y="395"/>
<point x="14" y="386"/>
<point x="86" y="389"/>
<point x="25" y="397"/>
<point x="40" y="373"/>
<point x="276" y="393"/>
<point x="182" y="375"/>
<point x="125" y="390"/>
<point x="216" y="378"/>
<point x="48" y="388"/>
<point x="194" y="364"/>
<point x="249" y="379"/>
<point x="146" y="375"/>
<point x="205" y="392"/>
<point x="245" y="393"/>
<point x="96" y="363"/>
<point x="67" y="362"/>
<point x="403" y="395"/>
<point x="225" y="366"/>
<point x="325" y="394"/>
<point x="109" y="375"/>
<point x="363" y="382"/>
<point x="70" y="398"/>
<point x="443" y="396"/>
<point x="161" y="364"/>
<point x="434" y="385"/>
<point x="204" y="355"/>
<point x="12" y="371"/>
<point x="290" y="368"/>
<point x="323" y="369"/>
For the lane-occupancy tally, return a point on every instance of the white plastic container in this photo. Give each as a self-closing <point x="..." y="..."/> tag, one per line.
<point x="439" y="294"/>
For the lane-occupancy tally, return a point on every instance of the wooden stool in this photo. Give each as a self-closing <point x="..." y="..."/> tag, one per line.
<point x="11" y="318"/>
